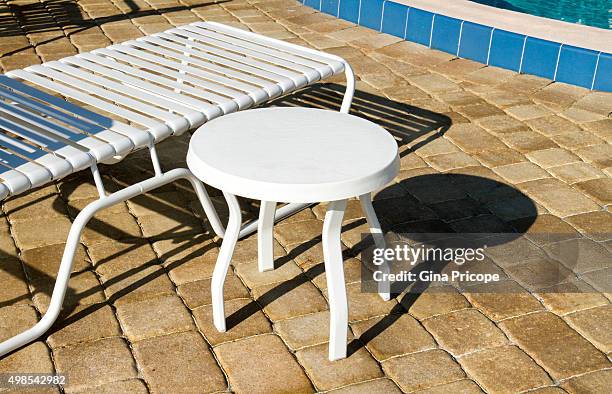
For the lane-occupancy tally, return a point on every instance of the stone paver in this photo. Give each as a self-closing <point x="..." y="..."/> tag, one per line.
<point x="599" y="189"/>
<point x="125" y="386"/>
<point x="594" y="325"/>
<point x="580" y="255"/>
<point x="243" y="317"/>
<point x="376" y="386"/>
<point x="552" y="125"/>
<point x="434" y="301"/>
<point x="576" y="172"/>
<point x="465" y="386"/>
<point x="554" y="345"/>
<point x="242" y="361"/>
<point x="504" y="370"/>
<point x="94" y="363"/>
<point x="590" y="383"/>
<point x="423" y="370"/>
<point x="327" y="374"/>
<point x="197" y="293"/>
<point x="29" y="234"/>
<point x="552" y="157"/>
<point x="502" y="300"/>
<point x="290" y="299"/>
<point x="85" y="323"/>
<point x="15" y="289"/>
<point x="559" y="198"/>
<point x="464" y="331"/>
<point x="572" y="296"/>
<point x="520" y="172"/>
<point x="34" y="357"/>
<point x="483" y="149"/>
<point x="180" y="363"/>
<point x="303" y="331"/>
<point x="249" y="273"/>
<point x="527" y="141"/>
<point x="393" y="336"/>
<point x="155" y="316"/>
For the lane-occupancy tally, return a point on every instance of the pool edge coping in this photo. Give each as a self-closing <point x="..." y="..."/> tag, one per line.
<point x="469" y="39"/>
<point x="567" y="33"/>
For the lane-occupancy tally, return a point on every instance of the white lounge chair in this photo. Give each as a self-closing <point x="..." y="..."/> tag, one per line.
<point x="162" y="85"/>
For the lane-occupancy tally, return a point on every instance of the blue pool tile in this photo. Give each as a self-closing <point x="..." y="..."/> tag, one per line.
<point x="445" y="35"/>
<point x="576" y="66"/>
<point x="371" y="13"/>
<point x="540" y="57"/>
<point x="506" y="49"/>
<point x="330" y="7"/>
<point x="313" y="3"/>
<point x="475" y="41"/>
<point x="419" y="26"/>
<point x="349" y="10"/>
<point x="603" y="79"/>
<point x="394" y="19"/>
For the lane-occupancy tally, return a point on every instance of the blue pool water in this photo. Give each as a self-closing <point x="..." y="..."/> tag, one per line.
<point x="596" y="13"/>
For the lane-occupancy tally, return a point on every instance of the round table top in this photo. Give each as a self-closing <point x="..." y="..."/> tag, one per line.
<point x="293" y="155"/>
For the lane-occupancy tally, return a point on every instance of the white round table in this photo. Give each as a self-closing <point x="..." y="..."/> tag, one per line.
<point x="294" y="155"/>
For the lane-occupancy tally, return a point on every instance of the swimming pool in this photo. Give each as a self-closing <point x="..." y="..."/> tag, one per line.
<point x="555" y="49"/>
<point x="597" y="13"/>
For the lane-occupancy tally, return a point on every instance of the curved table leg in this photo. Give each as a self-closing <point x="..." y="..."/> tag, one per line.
<point x="265" y="237"/>
<point x="334" y="271"/>
<point x="384" y="288"/>
<point x="223" y="261"/>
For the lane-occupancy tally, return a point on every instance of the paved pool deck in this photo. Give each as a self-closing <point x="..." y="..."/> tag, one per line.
<point x="482" y="150"/>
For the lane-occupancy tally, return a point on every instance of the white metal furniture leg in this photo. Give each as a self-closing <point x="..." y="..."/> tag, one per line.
<point x="265" y="238"/>
<point x="282" y="212"/>
<point x="384" y="287"/>
<point x="74" y="235"/>
<point x="207" y="206"/>
<point x="223" y="261"/>
<point x="334" y="270"/>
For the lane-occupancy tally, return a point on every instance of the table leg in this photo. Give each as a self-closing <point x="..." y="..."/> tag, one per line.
<point x="223" y="261"/>
<point x="384" y="288"/>
<point x="265" y="237"/>
<point x="334" y="271"/>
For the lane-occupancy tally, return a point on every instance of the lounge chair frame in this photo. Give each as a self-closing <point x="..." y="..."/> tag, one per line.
<point x="203" y="49"/>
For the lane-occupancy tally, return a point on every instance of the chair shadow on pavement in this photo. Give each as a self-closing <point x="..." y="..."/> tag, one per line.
<point x="410" y="125"/>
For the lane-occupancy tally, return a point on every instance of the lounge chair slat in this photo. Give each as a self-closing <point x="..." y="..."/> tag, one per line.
<point x="220" y="94"/>
<point x="330" y="60"/>
<point x="322" y="67"/>
<point x="135" y="88"/>
<point x="256" y="52"/>
<point x="120" y="71"/>
<point x="69" y="76"/>
<point x="15" y="181"/>
<point x="34" y="126"/>
<point x="283" y="78"/>
<point x="138" y="65"/>
<point x="35" y="173"/>
<point x="217" y="83"/>
<point x="87" y="121"/>
<point x="249" y="88"/>
<point x="158" y="130"/>
<point x="237" y="78"/>
<point x="296" y="76"/>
